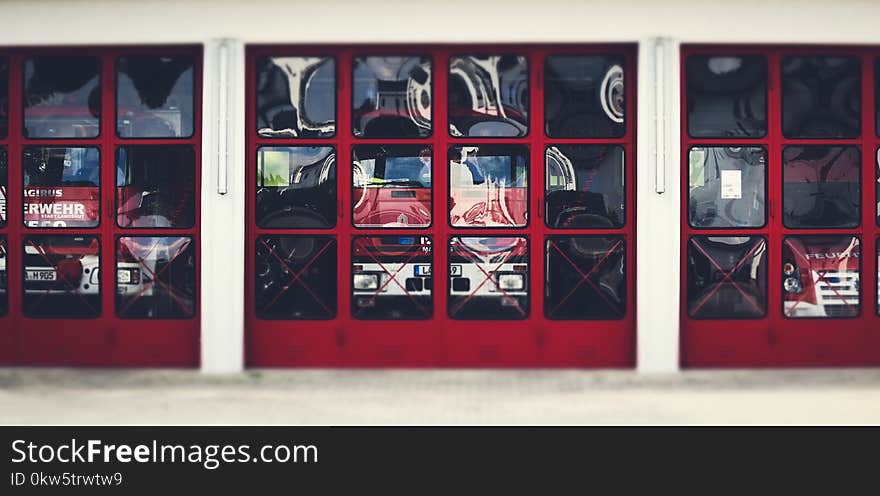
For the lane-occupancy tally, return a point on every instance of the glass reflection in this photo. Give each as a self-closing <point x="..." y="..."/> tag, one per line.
<point x="62" y="97"/>
<point x="488" y="186"/>
<point x="488" y="96"/>
<point x="4" y="277"/>
<point x="821" y="186"/>
<point x="584" y="96"/>
<point x="155" y="186"/>
<point x="584" y="186"/>
<point x="585" y="278"/>
<point x="727" y="277"/>
<point x="61" y="187"/>
<point x="727" y="96"/>
<point x="391" y="186"/>
<point x="391" y="277"/>
<point x="391" y="97"/>
<point x="296" y="187"/>
<point x="295" y="277"/>
<point x="4" y="183"/>
<point x="821" y="97"/>
<point x="296" y="97"/>
<point x="727" y="186"/>
<point x="155" y="277"/>
<point x="488" y="278"/>
<point x="61" y="276"/>
<point x="4" y="98"/>
<point x="154" y="97"/>
<point x="820" y="276"/>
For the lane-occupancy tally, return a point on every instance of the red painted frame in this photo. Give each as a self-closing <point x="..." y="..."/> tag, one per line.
<point x="777" y="341"/>
<point x="106" y="341"/>
<point x="441" y="342"/>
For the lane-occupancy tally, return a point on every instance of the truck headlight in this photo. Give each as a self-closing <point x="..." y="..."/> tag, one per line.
<point x="792" y="285"/>
<point x="511" y="282"/>
<point x="128" y="276"/>
<point x="366" y="281"/>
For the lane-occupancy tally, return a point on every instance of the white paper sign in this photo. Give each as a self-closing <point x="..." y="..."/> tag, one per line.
<point x="731" y="185"/>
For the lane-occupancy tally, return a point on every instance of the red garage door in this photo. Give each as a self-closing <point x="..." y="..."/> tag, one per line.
<point x="440" y="206"/>
<point x="780" y="227"/>
<point x="99" y="188"/>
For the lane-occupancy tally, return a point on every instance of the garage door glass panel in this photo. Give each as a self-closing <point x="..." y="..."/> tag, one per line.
<point x="584" y="186"/>
<point x="61" y="276"/>
<point x="391" y="186"/>
<point x="726" y="96"/>
<point x="4" y="97"/>
<point x="61" y="187"/>
<point x="296" y="97"/>
<point x="488" y="278"/>
<point x="295" y="277"/>
<point x="727" y="277"/>
<point x="155" y="186"/>
<point x="821" y="97"/>
<point x="488" y="96"/>
<point x="154" y="96"/>
<point x="62" y="97"/>
<point x="488" y="186"/>
<point x="727" y="187"/>
<point x="586" y="278"/>
<point x="296" y="187"/>
<point x="4" y="184"/>
<point x="820" y="276"/>
<point x="584" y="96"/>
<point x="4" y="276"/>
<point x="391" y="277"/>
<point x="822" y="186"/>
<point x="391" y="97"/>
<point x="155" y="277"/>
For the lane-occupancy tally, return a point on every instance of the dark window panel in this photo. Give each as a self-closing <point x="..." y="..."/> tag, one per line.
<point x="155" y="277"/>
<point x="296" y="97"/>
<point x="727" y="96"/>
<point x="391" y="97"/>
<point x="584" y="96"/>
<point x="4" y="276"/>
<point x="295" y="277"/>
<point x="584" y="186"/>
<point x="296" y="187"/>
<point x="154" y="96"/>
<point x="155" y="186"/>
<point x="391" y="186"/>
<point x="821" y="97"/>
<point x="488" y="96"/>
<point x="391" y="277"/>
<point x="62" y="97"/>
<point x="820" y="276"/>
<point x="4" y="184"/>
<point x="585" y="278"/>
<point x="727" y="186"/>
<point x="4" y="98"/>
<point x="488" y="278"/>
<point x="488" y="186"/>
<point x="727" y="277"/>
<point x="821" y="186"/>
<point x="61" y="276"/>
<point x="61" y="187"/>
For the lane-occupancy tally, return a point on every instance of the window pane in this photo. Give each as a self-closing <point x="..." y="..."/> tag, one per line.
<point x="586" y="278"/>
<point x="62" y="97"/>
<point x="295" y="277"/>
<point x="62" y="276"/>
<point x="4" y="277"/>
<point x="727" y="277"/>
<point x="584" y="186"/>
<point x="296" y="97"/>
<point x="488" y="186"/>
<point x="4" y="183"/>
<point x="584" y="96"/>
<point x="391" y="186"/>
<point x="155" y="277"/>
<point x="727" y="186"/>
<point x="391" y="277"/>
<point x="820" y="276"/>
<point x="488" y="278"/>
<point x="727" y="96"/>
<point x="296" y="187"/>
<point x="4" y="98"/>
<point x="822" y="187"/>
<point x="391" y="97"/>
<point x="155" y="186"/>
<point x="488" y="96"/>
<point x="154" y="96"/>
<point x="821" y="97"/>
<point x="61" y="187"/>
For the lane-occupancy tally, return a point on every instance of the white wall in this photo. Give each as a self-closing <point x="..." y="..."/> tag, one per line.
<point x="54" y="22"/>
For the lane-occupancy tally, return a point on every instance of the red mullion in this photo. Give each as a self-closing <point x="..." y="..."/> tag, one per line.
<point x="193" y="141"/>
<point x="259" y="142"/>
<point x="484" y="141"/>
<point x="542" y="332"/>
<point x="784" y="142"/>
<point x="584" y="141"/>
<point x="706" y="142"/>
<point x="108" y="199"/>
<point x="440" y="217"/>
<point x="257" y="231"/>
<point x="345" y="323"/>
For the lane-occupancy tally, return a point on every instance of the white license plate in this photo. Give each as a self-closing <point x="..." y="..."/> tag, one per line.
<point x="40" y="275"/>
<point x="422" y="270"/>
